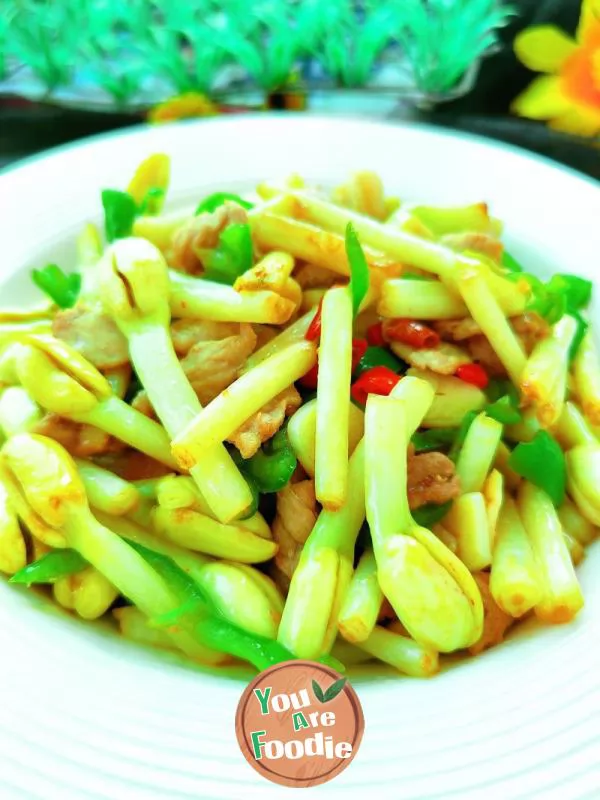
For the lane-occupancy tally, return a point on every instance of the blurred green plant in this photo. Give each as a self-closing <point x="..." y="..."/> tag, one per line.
<point x="125" y="46"/>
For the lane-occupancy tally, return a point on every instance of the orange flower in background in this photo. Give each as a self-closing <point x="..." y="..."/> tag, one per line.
<point x="568" y="95"/>
<point x="183" y="106"/>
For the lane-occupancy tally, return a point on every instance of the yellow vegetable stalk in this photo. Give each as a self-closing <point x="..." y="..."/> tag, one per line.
<point x="453" y="399"/>
<point x="515" y="581"/>
<point x="195" y="298"/>
<point x="272" y="273"/>
<point x="179" y="491"/>
<point x="196" y="531"/>
<point x="406" y="248"/>
<point x="88" y="593"/>
<point x="468" y="521"/>
<point x="361" y="606"/>
<point x="583" y="480"/>
<point x="13" y="553"/>
<point x="59" y="379"/>
<point x="134" y="625"/>
<point x="562" y="597"/>
<point x="241" y="593"/>
<point x="586" y="370"/>
<point x="452" y="219"/>
<point x="48" y="480"/>
<point x="106" y="491"/>
<point x="333" y="399"/>
<point x="572" y="428"/>
<point x="18" y="411"/>
<point x="302" y="431"/>
<point x="525" y="430"/>
<point x="410" y="299"/>
<point x="217" y="421"/>
<point x="544" y="379"/>
<point x="293" y="334"/>
<point x="431" y="591"/>
<point x="319" y="584"/>
<point x="160" y="229"/>
<point x="134" y="284"/>
<point x="575" y="524"/>
<point x="575" y="549"/>
<point x="511" y="478"/>
<point x="402" y="653"/>
<point x="487" y="312"/>
<point x="493" y="494"/>
<point x="478" y="453"/>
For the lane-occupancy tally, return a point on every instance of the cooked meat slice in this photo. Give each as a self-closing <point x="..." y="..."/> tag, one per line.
<point x="296" y="516"/>
<point x="495" y="621"/>
<point x="202" y="233"/>
<point x="79" y="440"/>
<point x="530" y="328"/>
<point x="483" y="353"/>
<point x="431" y="479"/>
<point x="266" y="422"/>
<point x="132" y="465"/>
<point x="478" y="242"/>
<point x="455" y="330"/>
<point x="443" y="359"/>
<point x="185" y="333"/>
<point x="212" y="365"/>
<point x="309" y="276"/>
<point x="93" y="334"/>
<point x="141" y="402"/>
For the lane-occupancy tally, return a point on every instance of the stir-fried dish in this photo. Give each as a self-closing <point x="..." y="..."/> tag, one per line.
<point x="309" y="423"/>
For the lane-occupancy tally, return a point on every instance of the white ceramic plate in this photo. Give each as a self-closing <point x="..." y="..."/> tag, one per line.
<point x="84" y="714"/>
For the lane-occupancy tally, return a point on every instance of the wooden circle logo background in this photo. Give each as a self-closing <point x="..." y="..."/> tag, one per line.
<point x="299" y="723"/>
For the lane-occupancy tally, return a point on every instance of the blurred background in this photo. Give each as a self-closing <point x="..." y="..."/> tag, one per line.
<point x="73" y="68"/>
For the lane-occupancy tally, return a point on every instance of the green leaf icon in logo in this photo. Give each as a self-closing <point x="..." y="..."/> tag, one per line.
<point x="331" y="693"/>
<point x="318" y="692"/>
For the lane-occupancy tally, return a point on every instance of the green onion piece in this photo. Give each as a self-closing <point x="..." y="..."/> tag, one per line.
<point x="433" y="439"/>
<point x="61" y="288"/>
<point x="152" y="201"/>
<point x="213" y="201"/>
<point x="582" y="326"/>
<point x="274" y="464"/>
<point x="232" y="257"/>
<point x="429" y="514"/>
<point x="379" y="357"/>
<point x="120" y="210"/>
<point x="461" y="434"/>
<point x="542" y="462"/>
<point x="207" y="624"/>
<point x="50" y="567"/>
<point x="510" y="263"/>
<point x="504" y="410"/>
<point x="359" y="269"/>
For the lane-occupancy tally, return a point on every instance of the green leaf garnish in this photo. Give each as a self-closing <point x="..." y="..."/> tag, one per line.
<point x="359" y="269"/>
<point x="233" y="255"/>
<point x="213" y="201"/>
<point x="63" y="289"/>
<point x="379" y="357"/>
<point x="152" y="201"/>
<point x="582" y="327"/>
<point x="336" y="687"/>
<point x="120" y="211"/>
<point x="542" y="462"/>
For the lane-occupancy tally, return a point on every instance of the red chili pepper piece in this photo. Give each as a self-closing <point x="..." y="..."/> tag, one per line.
<point x="378" y="380"/>
<point x="411" y="332"/>
<point x="314" y="329"/>
<point x="474" y="374"/>
<point x="310" y="380"/>
<point x="375" y="335"/>
<point x="359" y="348"/>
